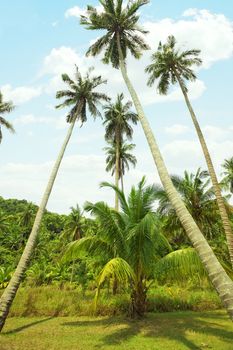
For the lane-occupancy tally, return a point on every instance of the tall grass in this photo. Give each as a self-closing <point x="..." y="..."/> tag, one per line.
<point x="67" y="301"/>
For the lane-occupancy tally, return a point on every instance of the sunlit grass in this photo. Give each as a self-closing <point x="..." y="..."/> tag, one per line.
<point x="175" y="331"/>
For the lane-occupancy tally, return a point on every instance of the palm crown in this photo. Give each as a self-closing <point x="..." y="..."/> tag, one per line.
<point x="117" y="118"/>
<point x="82" y="95"/>
<point x="117" y="20"/>
<point x="126" y="158"/>
<point x="198" y="197"/>
<point x="228" y="172"/>
<point x="170" y="65"/>
<point x="5" y="107"/>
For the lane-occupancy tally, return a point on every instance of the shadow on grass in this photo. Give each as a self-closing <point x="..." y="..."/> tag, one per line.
<point x="174" y="327"/>
<point x="19" y="329"/>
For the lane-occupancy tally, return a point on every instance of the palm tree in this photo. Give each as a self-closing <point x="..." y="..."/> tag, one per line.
<point x="75" y="224"/>
<point x="5" y="107"/>
<point x="125" y="159"/>
<point x="199" y="200"/>
<point x="123" y="35"/>
<point x="228" y="172"/>
<point x="131" y="245"/>
<point x="4" y="222"/>
<point x="26" y="217"/>
<point x="74" y="228"/>
<point x="81" y="95"/>
<point x="172" y="66"/>
<point x="117" y="121"/>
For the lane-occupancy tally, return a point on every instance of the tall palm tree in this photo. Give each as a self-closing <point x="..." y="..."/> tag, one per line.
<point x="81" y="95"/>
<point x="125" y="158"/>
<point x="5" y="107"/>
<point x="117" y="122"/>
<point x="123" y="35"/>
<point x="228" y="172"/>
<point x="131" y="245"/>
<point x="172" y="66"/>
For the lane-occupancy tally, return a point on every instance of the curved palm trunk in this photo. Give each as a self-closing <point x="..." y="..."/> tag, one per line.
<point x="220" y="280"/>
<point x="117" y="170"/>
<point x="11" y="290"/>
<point x="217" y="190"/>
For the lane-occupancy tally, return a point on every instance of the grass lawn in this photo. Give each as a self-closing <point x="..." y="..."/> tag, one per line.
<point x="176" y="331"/>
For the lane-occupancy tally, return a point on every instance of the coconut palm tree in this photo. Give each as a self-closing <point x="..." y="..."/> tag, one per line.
<point x="228" y="172"/>
<point x="125" y="159"/>
<point x="172" y="66"/>
<point x="74" y="229"/>
<point x="117" y="123"/>
<point x="199" y="199"/>
<point x="123" y="36"/>
<point x="75" y="224"/>
<point x="131" y="245"/>
<point x="5" y="107"/>
<point x="79" y="97"/>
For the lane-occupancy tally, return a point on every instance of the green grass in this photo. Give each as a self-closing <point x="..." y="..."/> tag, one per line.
<point x="167" y="331"/>
<point x="53" y="301"/>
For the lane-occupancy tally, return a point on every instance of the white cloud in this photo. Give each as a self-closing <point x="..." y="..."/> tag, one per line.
<point x="60" y="60"/>
<point x="209" y="32"/>
<point x="75" y="182"/>
<point x="29" y="119"/>
<point x="75" y="11"/>
<point x="214" y="133"/>
<point x="21" y="94"/>
<point x="177" y="129"/>
<point x="219" y="142"/>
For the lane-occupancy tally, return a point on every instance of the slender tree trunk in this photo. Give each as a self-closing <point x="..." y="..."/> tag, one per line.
<point x="219" y="278"/>
<point x="11" y="290"/>
<point x="216" y="187"/>
<point x="117" y="170"/>
<point x="122" y="182"/>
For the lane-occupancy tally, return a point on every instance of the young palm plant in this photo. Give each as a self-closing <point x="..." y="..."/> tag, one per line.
<point x="172" y="66"/>
<point x="117" y="122"/>
<point x="5" y="107"/>
<point x="123" y="36"/>
<point x="82" y="94"/>
<point x="131" y="246"/>
<point x="126" y="158"/>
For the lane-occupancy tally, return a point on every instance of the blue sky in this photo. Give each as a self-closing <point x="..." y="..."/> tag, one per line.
<point x="42" y="39"/>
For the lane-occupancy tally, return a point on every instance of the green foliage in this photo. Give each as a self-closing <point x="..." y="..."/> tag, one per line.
<point x="199" y="199"/>
<point x="120" y="20"/>
<point x="228" y="174"/>
<point x="82" y="96"/>
<point x="171" y="66"/>
<point x="5" y="107"/>
<point x="65" y="300"/>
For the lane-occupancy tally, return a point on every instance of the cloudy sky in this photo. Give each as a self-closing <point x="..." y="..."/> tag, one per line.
<point x="40" y="40"/>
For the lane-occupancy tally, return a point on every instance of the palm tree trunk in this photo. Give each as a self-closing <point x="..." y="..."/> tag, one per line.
<point x="122" y="182"/>
<point x="117" y="170"/>
<point x="216" y="187"/>
<point x="11" y="290"/>
<point x="220" y="280"/>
